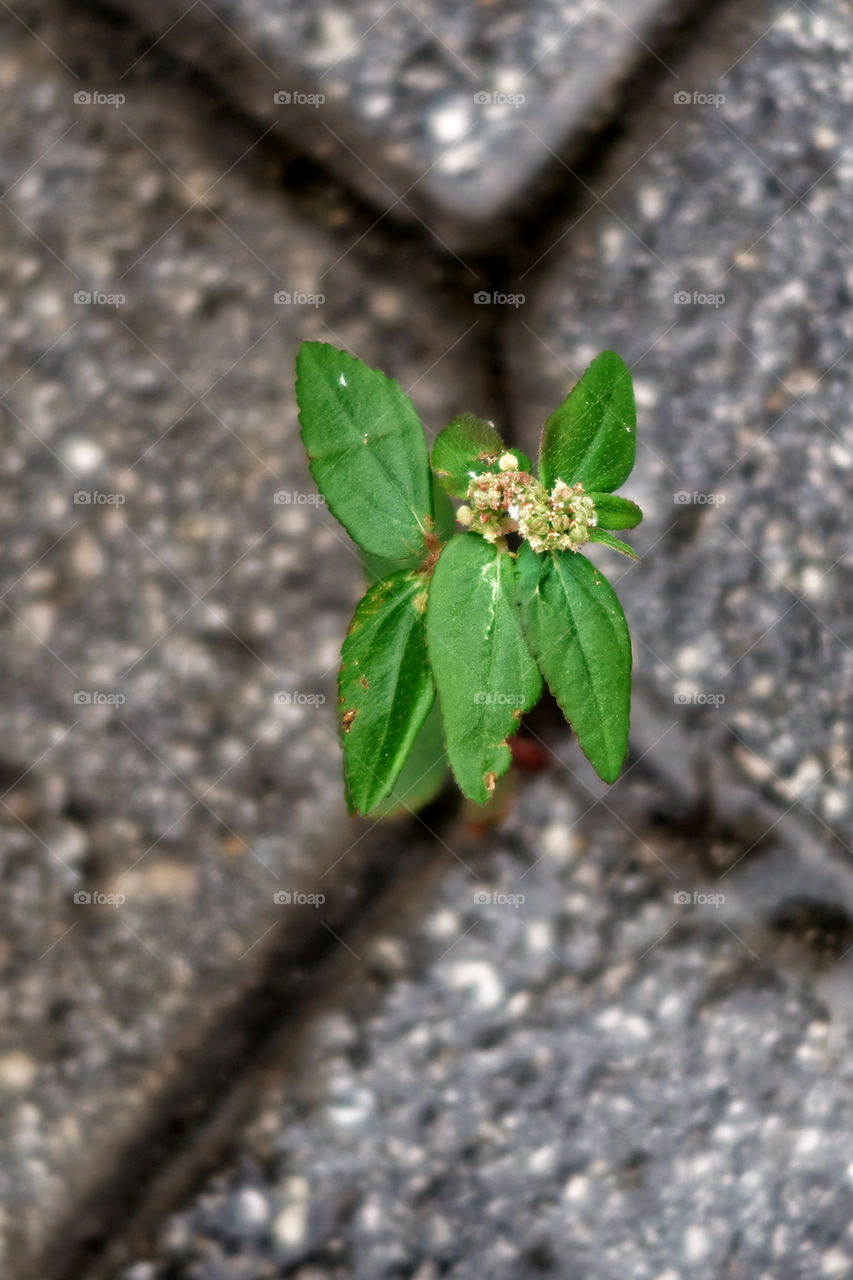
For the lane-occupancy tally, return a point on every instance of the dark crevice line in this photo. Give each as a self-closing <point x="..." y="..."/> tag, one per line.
<point x="557" y="195"/>
<point x="309" y="964"/>
<point x="699" y="47"/>
<point x="300" y="972"/>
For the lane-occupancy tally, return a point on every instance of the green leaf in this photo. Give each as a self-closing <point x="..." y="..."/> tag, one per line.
<point x="385" y="689"/>
<point x="422" y="776"/>
<point x="577" y="630"/>
<point x="466" y="444"/>
<point x="367" y="450"/>
<point x="445" y="512"/>
<point x="616" y="513"/>
<point x="591" y="438"/>
<point x="483" y="670"/>
<point x="376" y="567"/>
<point x="598" y="535"/>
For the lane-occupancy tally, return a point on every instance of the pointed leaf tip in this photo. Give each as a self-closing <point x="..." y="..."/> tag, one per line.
<point x="367" y="450"/>
<point x="577" y="631"/>
<point x="591" y="437"/>
<point x="385" y="688"/>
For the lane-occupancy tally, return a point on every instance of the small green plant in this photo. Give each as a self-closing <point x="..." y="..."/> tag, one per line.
<point x="478" y="616"/>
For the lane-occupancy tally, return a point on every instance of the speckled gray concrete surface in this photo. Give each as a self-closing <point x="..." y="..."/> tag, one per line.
<point x="564" y="1071"/>
<point x="602" y="1079"/>
<point x="439" y="110"/>
<point x="632" y="1062"/>
<point x="722" y="272"/>
<point x="170" y="629"/>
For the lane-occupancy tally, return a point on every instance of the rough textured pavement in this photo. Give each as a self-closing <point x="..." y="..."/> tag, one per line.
<point x="722" y="273"/>
<point x="441" y="113"/>
<point x="172" y="604"/>
<point x="561" y="1072"/>
<point x="604" y="1079"/>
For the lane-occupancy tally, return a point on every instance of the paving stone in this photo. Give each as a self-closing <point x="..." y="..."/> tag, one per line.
<point x="565" y="1070"/>
<point x="606" y="1079"/>
<point x="156" y="596"/>
<point x="435" y="110"/>
<point x="721" y="270"/>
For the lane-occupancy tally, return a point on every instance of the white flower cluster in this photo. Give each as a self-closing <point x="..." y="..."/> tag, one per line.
<point x="512" y="501"/>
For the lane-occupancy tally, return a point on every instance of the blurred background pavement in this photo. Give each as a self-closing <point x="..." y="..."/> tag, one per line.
<point x="608" y="1037"/>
